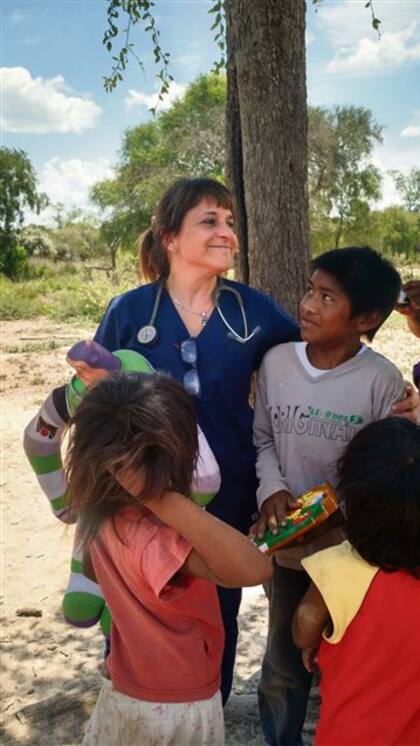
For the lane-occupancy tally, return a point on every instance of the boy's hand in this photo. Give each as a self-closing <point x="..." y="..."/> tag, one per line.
<point x="273" y="513"/>
<point x="408" y="407"/>
<point x="310" y="659"/>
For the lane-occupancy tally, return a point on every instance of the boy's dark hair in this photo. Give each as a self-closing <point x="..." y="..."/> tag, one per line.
<point x="370" y="281"/>
<point x="379" y="481"/>
<point x="129" y="420"/>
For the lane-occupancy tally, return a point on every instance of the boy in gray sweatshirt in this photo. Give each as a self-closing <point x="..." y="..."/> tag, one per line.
<point x="312" y="398"/>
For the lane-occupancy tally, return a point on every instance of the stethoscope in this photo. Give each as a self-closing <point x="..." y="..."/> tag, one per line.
<point x="148" y="333"/>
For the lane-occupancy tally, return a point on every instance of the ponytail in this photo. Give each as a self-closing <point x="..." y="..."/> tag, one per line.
<point x="153" y="262"/>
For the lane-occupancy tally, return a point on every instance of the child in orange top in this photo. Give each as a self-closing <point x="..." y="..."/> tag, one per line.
<point x="157" y="556"/>
<point x="363" y="607"/>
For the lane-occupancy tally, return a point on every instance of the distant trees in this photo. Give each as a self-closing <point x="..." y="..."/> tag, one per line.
<point x="189" y="139"/>
<point x="18" y="192"/>
<point x="342" y="180"/>
<point x="185" y="140"/>
<point x="409" y="188"/>
<point x="262" y="45"/>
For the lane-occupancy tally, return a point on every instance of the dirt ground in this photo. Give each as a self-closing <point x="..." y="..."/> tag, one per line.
<point x="49" y="679"/>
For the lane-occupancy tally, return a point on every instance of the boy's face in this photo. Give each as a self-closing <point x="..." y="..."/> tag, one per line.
<point x="325" y="311"/>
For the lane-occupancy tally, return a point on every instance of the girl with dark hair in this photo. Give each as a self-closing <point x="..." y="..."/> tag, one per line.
<point x="156" y="556"/>
<point x="362" y="609"/>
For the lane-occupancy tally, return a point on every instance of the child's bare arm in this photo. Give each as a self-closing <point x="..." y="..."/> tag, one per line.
<point x="221" y="554"/>
<point x="310" y="619"/>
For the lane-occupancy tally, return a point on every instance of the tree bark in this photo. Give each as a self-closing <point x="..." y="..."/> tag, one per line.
<point x="267" y="143"/>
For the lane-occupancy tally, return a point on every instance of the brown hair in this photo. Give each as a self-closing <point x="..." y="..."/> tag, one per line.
<point x="129" y="420"/>
<point x="181" y="197"/>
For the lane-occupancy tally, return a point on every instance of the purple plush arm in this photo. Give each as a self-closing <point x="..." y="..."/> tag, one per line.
<point x="94" y="355"/>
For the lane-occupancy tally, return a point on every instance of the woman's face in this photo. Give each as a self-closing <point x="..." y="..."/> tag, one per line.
<point x="206" y="239"/>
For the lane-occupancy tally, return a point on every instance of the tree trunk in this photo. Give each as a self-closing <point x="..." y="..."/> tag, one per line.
<point x="267" y="143"/>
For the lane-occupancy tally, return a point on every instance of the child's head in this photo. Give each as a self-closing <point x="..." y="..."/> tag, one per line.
<point x="366" y="285"/>
<point x="143" y="422"/>
<point x="379" y="481"/>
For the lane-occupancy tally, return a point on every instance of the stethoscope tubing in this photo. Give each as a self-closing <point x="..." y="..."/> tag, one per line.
<point x="148" y="333"/>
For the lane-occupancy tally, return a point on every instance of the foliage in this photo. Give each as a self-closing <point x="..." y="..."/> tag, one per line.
<point x="77" y="236"/>
<point x="219" y="27"/>
<point x="342" y="180"/>
<point x="136" y="11"/>
<point x="18" y="191"/>
<point x="187" y="139"/>
<point x="63" y="292"/>
<point x="37" y="241"/>
<point x="409" y="188"/>
<point x="75" y="241"/>
<point x="368" y="4"/>
<point x="394" y="231"/>
<point x="399" y="232"/>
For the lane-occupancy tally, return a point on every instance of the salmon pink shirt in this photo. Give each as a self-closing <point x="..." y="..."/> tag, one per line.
<point x="167" y="633"/>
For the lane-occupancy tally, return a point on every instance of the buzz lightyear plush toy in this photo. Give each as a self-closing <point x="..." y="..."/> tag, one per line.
<point x="83" y="602"/>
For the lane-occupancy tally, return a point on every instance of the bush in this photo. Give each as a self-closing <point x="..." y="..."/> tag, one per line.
<point x="64" y="291"/>
<point x="19" y="301"/>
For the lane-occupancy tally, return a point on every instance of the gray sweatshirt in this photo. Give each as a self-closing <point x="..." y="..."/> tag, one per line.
<point x="303" y="423"/>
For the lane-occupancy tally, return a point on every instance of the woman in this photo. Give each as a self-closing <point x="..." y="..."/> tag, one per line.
<point x="190" y="244"/>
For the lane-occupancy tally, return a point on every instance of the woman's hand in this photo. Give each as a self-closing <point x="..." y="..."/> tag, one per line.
<point x="273" y="513"/>
<point x="411" y="310"/>
<point x="412" y="290"/>
<point x="409" y="408"/>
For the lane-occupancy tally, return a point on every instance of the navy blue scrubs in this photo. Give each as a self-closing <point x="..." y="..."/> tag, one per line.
<point x="225" y="368"/>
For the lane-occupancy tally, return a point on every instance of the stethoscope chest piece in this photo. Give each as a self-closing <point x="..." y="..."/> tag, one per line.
<point x="147" y="334"/>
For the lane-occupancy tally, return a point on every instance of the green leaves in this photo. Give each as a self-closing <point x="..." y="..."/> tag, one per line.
<point x="186" y="139"/>
<point x="408" y="187"/>
<point x="134" y="12"/>
<point x="18" y="191"/>
<point x="219" y="25"/>
<point x="369" y="4"/>
<point x="342" y="180"/>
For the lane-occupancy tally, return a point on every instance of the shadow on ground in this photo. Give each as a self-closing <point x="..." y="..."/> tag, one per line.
<point x="62" y="705"/>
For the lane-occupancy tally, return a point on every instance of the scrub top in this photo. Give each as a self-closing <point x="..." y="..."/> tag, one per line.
<point x="224" y="366"/>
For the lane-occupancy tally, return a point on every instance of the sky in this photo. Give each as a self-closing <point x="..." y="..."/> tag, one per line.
<point x="54" y="107"/>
